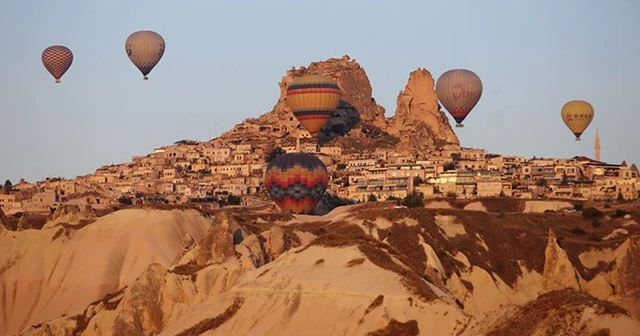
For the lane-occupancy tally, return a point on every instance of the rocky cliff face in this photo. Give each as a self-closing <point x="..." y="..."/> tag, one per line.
<point x="417" y="126"/>
<point x="418" y="121"/>
<point x="356" y="94"/>
<point x="352" y="80"/>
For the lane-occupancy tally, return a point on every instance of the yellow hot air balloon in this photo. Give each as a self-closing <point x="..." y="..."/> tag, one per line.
<point x="577" y="115"/>
<point x="145" y="49"/>
<point x="313" y="99"/>
<point x="459" y="91"/>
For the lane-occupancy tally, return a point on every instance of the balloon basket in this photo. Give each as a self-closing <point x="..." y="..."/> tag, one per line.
<point x="578" y="139"/>
<point x="145" y="78"/>
<point x="57" y="81"/>
<point x="459" y="125"/>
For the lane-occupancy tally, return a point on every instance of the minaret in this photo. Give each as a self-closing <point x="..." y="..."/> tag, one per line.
<point x="597" y="146"/>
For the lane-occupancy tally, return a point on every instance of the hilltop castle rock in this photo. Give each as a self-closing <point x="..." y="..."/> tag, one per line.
<point x="352" y="80"/>
<point x="417" y="126"/>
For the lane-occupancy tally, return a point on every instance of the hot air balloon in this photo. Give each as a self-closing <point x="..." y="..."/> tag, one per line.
<point x="57" y="59"/>
<point x="296" y="182"/>
<point x="459" y="91"/>
<point x="313" y="99"/>
<point x="145" y="49"/>
<point x="577" y="115"/>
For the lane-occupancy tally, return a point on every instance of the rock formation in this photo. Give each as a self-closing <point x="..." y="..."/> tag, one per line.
<point x="68" y="268"/>
<point x="359" y="122"/>
<point x="352" y="80"/>
<point x="418" y="121"/>
<point x="558" y="271"/>
<point x="356" y="93"/>
<point x="72" y="214"/>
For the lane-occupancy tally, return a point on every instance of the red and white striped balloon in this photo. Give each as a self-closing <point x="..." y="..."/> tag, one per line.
<point x="57" y="59"/>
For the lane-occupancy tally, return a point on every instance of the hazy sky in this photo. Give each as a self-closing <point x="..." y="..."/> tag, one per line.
<point x="223" y="61"/>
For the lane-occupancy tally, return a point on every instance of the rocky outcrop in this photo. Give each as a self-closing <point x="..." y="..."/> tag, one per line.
<point x="359" y="122"/>
<point x="201" y="269"/>
<point x="140" y="311"/>
<point x="356" y="94"/>
<point x="353" y="82"/>
<point x="558" y="272"/>
<point x="626" y="277"/>
<point x="49" y="272"/>
<point x="563" y="312"/>
<point x="71" y="214"/>
<point x="419" y="122"/>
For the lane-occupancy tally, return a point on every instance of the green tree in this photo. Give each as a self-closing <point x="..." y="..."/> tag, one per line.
<point x="449" y="166"/>
<point x="125" y="200"/>
<point x="414" y="200"/>
<point x="372" y="198"/>
<point x="8" y="186"/>
<point x="233" y="199"/>
<point x="273" y="153"/>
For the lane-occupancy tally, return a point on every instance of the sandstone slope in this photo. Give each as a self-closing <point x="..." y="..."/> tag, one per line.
<point x="45" y="273"/>
<point x="371" y="269"/>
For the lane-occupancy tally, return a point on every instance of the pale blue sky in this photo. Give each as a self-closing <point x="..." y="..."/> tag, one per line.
<point x="223" y="61"/>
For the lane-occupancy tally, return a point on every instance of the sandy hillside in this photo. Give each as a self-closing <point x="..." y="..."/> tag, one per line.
<point x="370" y="269"/>
<point x="44" y="273"/>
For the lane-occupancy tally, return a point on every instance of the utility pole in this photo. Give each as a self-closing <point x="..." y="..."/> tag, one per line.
<point x="597" y="147"/>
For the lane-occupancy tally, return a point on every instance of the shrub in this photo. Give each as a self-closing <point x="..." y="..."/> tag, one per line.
<point x="577" y="231"/>
<point x="619" y="213"/>
<point x="125" y="200"/>
<point x="273" y="153"/>
<point x="413" y="200"/>
<point x="591" y="212"/>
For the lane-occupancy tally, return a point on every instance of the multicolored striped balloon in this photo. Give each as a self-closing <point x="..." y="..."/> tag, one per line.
<point x="145" y="48"/>
<point x="57" y="59"/>
<point x="296" y="182"/>
<point x="459" y="91"/>
<point x="313" y="99"/>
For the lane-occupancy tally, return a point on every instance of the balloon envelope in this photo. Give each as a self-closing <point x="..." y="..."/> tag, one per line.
<point x="145" y="49"/>
<point x="57" y="59"/>
<point x="313" y="99"/>
<point x="459" y="90"/>
<point x="296" y="182"/>
<point x="577" y="115"/>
